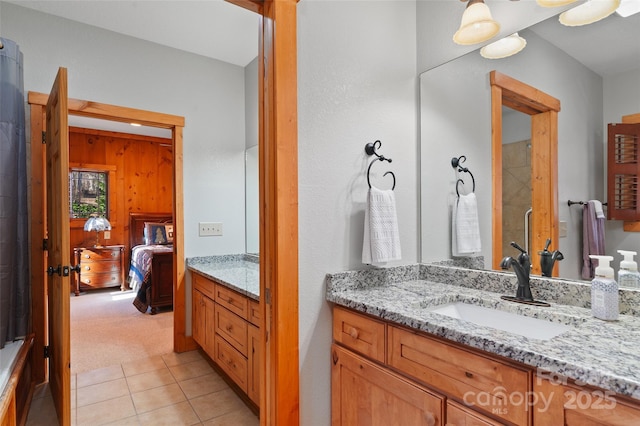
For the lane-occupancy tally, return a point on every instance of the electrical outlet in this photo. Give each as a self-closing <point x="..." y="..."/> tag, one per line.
<point x="210" y="229"/>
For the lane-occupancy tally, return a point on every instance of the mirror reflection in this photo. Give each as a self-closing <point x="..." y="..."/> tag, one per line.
<point x="252" y="222"/>
<point x="455" y="109"/>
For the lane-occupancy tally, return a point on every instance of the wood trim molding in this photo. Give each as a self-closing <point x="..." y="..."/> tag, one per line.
<point x="543" y="109"/>
<point x="113" y="112"/>
<point x="278" y="164"/>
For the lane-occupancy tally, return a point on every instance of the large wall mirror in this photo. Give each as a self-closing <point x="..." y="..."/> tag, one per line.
<point x="455" y="108"/>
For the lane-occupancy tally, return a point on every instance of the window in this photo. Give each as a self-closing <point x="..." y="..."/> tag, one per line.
<point x="91" y="190"/>
<point x="88" y="193"/>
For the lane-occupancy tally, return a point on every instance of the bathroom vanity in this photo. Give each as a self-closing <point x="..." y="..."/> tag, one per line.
<point x="226" y="317"/>
<point x="394" y="358"/>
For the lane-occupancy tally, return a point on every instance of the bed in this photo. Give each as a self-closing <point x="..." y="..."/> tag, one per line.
<point x="150" y="265"/>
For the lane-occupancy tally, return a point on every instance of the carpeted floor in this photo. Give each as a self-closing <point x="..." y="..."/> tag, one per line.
<point x="106" y="329"/>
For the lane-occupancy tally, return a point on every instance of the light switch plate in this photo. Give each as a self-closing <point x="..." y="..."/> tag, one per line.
<point x="210" y="229"/>
<point x="107" y="235"/>
<point x="562" y="231"/>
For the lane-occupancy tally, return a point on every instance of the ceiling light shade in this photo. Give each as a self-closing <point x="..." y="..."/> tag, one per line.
<point x="554" y="3"/>
<point x="628" y="8"/>
<point x="477" y="25"/>
<point x="504" y="47"/>
<point x="588" y="12"/>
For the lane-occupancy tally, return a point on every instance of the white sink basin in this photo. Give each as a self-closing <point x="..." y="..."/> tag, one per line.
<point x="533" y="328"/>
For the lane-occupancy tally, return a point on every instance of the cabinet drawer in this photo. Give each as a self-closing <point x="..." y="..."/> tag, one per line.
<point x="106" y="279"/>
<point x="88" y="267"/>
<point x="459" y="415"/>
<point x="231" y="361"/>
<point x="232" y="328"/>
<point x="100" y="255"/>
<point x="360" y="333"/>
<point x="233" y="301"/>
<point x="468" y="376"/>
<point x="254" y="312"/>
<point x="203" y="285"/>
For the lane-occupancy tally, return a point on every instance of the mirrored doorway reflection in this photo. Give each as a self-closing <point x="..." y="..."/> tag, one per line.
<point x="516" y="180"/>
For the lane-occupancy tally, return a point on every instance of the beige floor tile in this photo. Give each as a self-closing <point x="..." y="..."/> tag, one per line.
<point x="216" y="404"/>
<point x="190" y="370"/>
<point x="73" y="398"/>
<point x="99" y="376"/>
<point x="155" y="398"/>
<point x="174" y="358"/>
<point x="152" y="379"/>
<point x="42" y="412"/>
<point x="143" y="366"/>
<point x="177" y="414"/>
<point x="129" y="421"/>
<point x="242" y="417"/>
<point x="101" y="392"/>
<point x="203" y="385"/>
<point x="74" y="381"/>
<point x="106" y="411"/>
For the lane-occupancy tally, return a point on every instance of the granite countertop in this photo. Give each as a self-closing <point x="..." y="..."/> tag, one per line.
<point x="592" y="351"/>
<point x="239" y="272"/>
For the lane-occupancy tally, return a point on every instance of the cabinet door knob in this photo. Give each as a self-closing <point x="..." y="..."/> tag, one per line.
<point x="469" y="375"/>
<point x="353" y="333"/>
<point x="335" y="357"/>
<point x="430" y="419"/>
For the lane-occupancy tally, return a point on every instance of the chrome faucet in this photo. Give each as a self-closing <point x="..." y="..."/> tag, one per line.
<point x="522" y="267"/>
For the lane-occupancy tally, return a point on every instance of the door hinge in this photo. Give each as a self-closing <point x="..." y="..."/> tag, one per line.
<point x="44" y="137"/>
<point x="268" y="296"/>
<point x="46" y="351"/>
<point x="45" y="244"/>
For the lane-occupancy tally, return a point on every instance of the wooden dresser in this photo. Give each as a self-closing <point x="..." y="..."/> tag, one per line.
<point x="99" y="267"/>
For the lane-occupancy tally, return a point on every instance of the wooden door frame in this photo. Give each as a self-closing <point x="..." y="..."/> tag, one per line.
<point x="543" y="109"/>
<point x="37" y="102"/>
<point x="278" y="171"/>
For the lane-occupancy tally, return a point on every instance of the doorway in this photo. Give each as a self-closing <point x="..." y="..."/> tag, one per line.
<point x="543" y="110"/>
<point x="37" y="102"/>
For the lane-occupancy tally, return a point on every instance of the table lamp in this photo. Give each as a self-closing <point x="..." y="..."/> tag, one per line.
<point x="97" y="224"/>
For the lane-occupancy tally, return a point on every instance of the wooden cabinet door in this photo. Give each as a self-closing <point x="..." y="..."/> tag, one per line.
<point x="57" y="140"/>
<point x="198" y="318"/>
<point x="362" y="393"/>
<point x="253" y="384"/>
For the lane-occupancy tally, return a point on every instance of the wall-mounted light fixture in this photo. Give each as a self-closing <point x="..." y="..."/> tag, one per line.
<point x="504" y="47"/>
<point x="588" y="12"/>
<point x="477" y="25"/>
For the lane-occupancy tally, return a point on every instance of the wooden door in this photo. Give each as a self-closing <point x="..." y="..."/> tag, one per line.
<point x="57" y="141"/>
<point x="362" y="393"/>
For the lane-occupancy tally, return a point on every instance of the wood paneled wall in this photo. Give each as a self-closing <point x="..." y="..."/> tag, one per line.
<point x="143" y="177"/>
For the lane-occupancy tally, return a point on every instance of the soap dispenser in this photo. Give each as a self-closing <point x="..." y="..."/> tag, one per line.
<point x="628" y="275"/>
<point x="604" y="291"/>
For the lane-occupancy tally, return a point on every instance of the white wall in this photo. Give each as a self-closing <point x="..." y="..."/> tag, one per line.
<point x="251" y="103"/>
<point x="456" y="120"/>
<point x="356" y="84"/>
<point x="107" y="67"/>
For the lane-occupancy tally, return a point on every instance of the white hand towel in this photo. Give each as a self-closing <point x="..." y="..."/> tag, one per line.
<point x="381" y="241"/>
<point x="465" y="227"/>
<point x="597" y="205"/>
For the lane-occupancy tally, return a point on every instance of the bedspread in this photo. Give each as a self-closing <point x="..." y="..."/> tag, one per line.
<point x="140" y="272"/>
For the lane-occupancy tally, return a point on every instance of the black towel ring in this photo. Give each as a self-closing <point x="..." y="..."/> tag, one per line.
<point x="455" y="162"/>
<point x="370" y="149"/>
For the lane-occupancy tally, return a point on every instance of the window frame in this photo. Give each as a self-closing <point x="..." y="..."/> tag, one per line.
<point x="111" y="192"/>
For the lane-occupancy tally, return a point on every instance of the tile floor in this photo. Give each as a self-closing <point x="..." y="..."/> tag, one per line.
<point x="173" y="389"/>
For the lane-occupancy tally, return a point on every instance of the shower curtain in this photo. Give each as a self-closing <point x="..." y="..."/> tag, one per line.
<point x="15" y="297"/>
